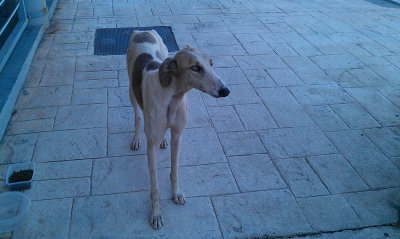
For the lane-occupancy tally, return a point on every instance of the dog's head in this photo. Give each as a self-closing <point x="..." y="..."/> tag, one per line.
<point x="193" y="68"/>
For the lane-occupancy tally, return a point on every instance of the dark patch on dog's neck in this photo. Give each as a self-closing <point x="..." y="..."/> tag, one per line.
<point x="166" y="76"/>
<point x="165" y="79"/>
<point x="143" y="61"/>
<point x="144" y="37"/>
<point x="153" y="65"/>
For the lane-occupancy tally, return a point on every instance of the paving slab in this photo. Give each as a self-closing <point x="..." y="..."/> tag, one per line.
<point x="35" y="72"/>
<point x="259" y="78"/>
<point x="131" y="211"/>
<point x="48" y="219"/>
<point x="54" y="75"/>
<point x="325" y="94"/>
<point x="101" y="63"/>
<point x="371" y="164"/>
<point x="387" y="139"/>
<point x="376" y="207"/>
<point x="44" y="96"/>
<point x="331" y="212"/>
<point x="89" y="96"/>
<point x="355" y="116"/>
<point x="268" y="213"/>
<point x="34" y="114"/>
<point x="66" y="169"/>
<point x="270" y="61"/>
<point x="59" y="188"/>
<point x="283" y="49"/>
<point x="241" y="143"/>
<point x="337" y="174"/>
<point x="130" y="173"/>
<point x="343" y="78"/>
<point x="225" y="119"/>
<point x="377" y="105"/>
<point x="296" y="142"/>
<point x="285" y="77"/>
<point x="389" y="72"/>
<point x="392" y="93"/>
<point x="70" y="144"/>
<point x="367" y="77"/>
<point x="231" y="75"/>
<point x="300" y="177"/>
<point x="222" y="39"/>
<point x="17" y="148"/>
<point x="81" y="117"/>
<point x="121" y="120"/>
<point x="262" y="119"/>
<point x="31" y="126"/>
<point x="336" y="62"/>
<point x="326" y="118"/>
<point x="255" y="172"/>
<point x="195" y="180"/>
<point x="284" y="108"/>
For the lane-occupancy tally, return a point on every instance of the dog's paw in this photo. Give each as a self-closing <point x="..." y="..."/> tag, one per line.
<point x="179" y="198"/>
<point x="164" y="143"/>
<point x="135" y="145"/>
<point x="156" y="221"/>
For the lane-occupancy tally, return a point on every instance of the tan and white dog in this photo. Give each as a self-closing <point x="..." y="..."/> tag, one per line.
<point x="158" y="85"/>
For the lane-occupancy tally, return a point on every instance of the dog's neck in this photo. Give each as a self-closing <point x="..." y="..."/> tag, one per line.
<point x="178" y="92"/>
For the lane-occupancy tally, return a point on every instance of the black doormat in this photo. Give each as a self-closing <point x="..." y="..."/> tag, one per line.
<point x="115" y="41"/>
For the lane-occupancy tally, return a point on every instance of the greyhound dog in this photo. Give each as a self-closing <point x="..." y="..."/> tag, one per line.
<point x="158" y="85"/>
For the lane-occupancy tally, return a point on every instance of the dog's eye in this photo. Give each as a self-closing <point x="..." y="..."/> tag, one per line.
<point x="195" y="68"/>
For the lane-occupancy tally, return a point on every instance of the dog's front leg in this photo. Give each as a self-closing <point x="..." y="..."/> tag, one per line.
<point x="177" y="195"/>
<point x="156" y="220"/>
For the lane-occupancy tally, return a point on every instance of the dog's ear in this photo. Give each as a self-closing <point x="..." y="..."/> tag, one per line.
<point x="166" y="70"/>
<point x="188" y="46"/>
<point x="169" y="65"/>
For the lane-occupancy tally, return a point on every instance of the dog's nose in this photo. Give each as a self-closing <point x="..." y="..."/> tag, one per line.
<point x="224" y="92"/>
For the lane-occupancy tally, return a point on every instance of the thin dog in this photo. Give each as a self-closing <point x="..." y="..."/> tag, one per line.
<point x="158" y="85"/>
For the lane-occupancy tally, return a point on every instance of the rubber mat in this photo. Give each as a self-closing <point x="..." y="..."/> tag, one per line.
<point x="115" y="41"/>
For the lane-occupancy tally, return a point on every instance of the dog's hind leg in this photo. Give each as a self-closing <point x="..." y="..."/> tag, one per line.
<point x="136" y="139"/>
<point x="177" y="195"/>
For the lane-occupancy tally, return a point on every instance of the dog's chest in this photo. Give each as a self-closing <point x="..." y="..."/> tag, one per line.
<point x="177" y="111"/>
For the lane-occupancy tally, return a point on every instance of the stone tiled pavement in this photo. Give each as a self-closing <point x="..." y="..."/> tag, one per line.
<point x="307" y="142"/>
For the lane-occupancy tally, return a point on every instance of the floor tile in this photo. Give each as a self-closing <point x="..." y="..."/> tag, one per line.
<point x="296" y="142"/>
<point x="337" y="174"/>
<point x="255" y="172"/>
<point x="284" y="108"/>
<point x="71" y="144"/>
<point x="241" y="143"/>
<point x="326" y="118"/>
<point x="267" y="213"/>
<point x="384" y="111"/>
<point x="301" y="178"/>
<point x="255" y="116"/>
<point x="375" y="207"/>
<point x="48" y="219"/>
<point x="370" y="163"/>
<point x="330" y="212"/>
<point x="355" y="116"/>
<point x="81" y="117"/>
<point x="132" y="212"/>
<point x="200" y="180"/>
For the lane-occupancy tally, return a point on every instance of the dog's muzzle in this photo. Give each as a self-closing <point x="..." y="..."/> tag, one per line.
<point x="224" y="92"/>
